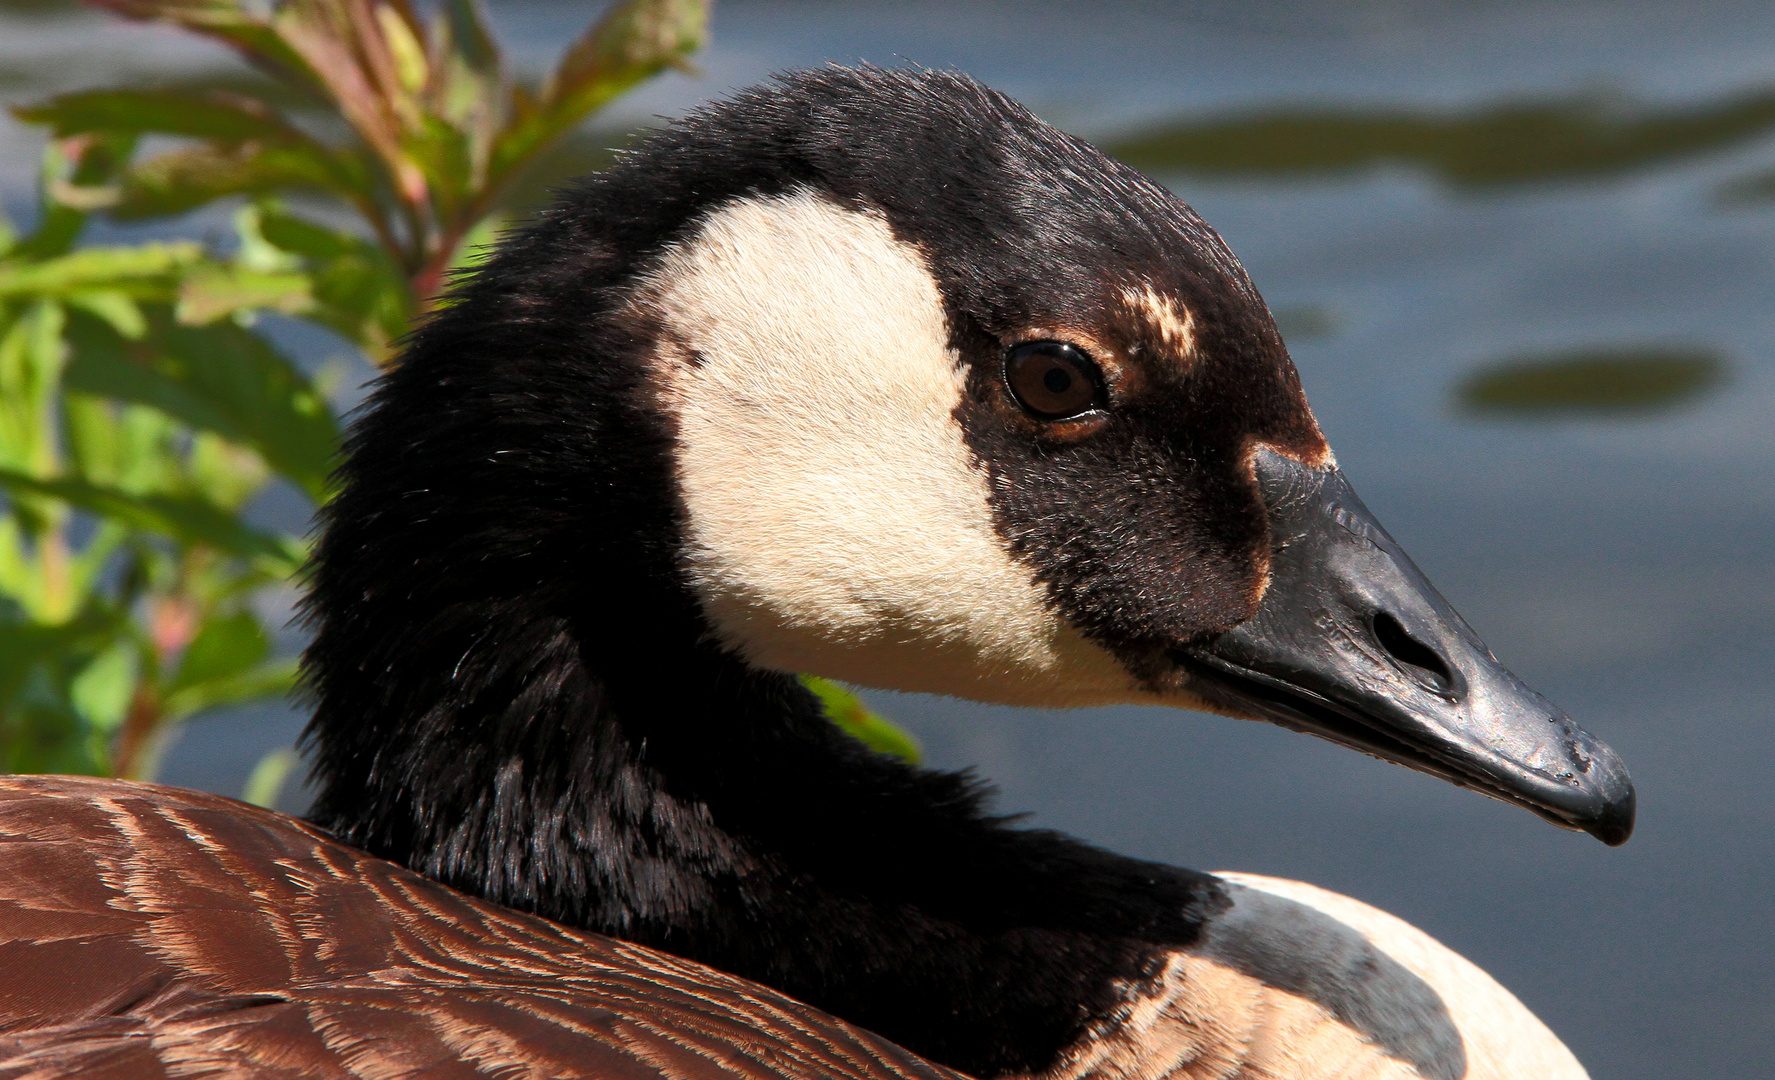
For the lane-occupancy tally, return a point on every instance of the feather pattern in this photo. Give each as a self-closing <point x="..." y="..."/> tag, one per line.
<point x="147" y="931"/>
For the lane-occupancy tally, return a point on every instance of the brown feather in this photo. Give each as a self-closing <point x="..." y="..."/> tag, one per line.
<point x="148" y="931"/>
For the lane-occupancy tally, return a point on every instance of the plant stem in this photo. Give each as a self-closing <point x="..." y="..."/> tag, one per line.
<point x="137" y="732"/>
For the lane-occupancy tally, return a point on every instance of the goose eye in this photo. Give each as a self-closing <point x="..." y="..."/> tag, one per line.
<point x="1053" y="380"/>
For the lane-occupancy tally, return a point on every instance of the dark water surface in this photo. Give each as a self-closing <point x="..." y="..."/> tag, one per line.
<point x="1490" y="230"/>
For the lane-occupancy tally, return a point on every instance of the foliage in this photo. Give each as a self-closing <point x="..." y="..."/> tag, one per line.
<point x="142" y="409"/>
<point x="862" y="723"/>
<point x="126" y="568"/>
<point x="427" y="129"/>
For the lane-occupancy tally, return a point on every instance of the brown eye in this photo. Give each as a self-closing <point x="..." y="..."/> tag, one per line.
<point x="1053" y="380"/>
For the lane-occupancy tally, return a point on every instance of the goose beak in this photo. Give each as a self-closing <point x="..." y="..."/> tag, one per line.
<point x="1351" y="643"/>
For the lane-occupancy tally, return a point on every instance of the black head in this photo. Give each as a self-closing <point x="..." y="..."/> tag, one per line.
<point x="872" y="374"/>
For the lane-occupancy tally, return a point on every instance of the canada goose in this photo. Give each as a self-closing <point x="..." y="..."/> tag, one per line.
<point x="864" y="373"/>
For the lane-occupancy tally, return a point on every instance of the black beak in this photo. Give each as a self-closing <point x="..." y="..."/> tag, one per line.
<point x="1352" y="644"/>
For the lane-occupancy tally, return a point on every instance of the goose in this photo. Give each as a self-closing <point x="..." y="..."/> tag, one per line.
<point x="866" y="373"/>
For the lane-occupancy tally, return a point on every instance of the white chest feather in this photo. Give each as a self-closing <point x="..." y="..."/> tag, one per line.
<point x="1503" y="1039"/>
<point x="837" y="522"/>
<point x="1207" y="1021"/>
<point x="1216" y="1013"/>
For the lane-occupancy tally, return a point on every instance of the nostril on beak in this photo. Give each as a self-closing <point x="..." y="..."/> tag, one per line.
<point x="1419" y="658"/>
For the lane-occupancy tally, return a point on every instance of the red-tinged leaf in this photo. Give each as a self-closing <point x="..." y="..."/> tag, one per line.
<point x="226" y="21"/>
<point x="467" y="73"/>
<point x="634" y="40"/>
<point x="367" y="28"/>
<point x="330" y="42"/>
<point x="399" y="41"/>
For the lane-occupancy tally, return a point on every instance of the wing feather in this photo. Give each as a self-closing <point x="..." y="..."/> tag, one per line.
<point x="148" y="931"/>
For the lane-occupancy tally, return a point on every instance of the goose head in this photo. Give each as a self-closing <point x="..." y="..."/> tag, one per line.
<point x="873" y="375"/>
<point x="958" y="405"/>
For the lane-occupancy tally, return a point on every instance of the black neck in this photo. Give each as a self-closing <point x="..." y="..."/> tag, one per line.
<point x="515" y="695"/>
<point x="729" y="822"/>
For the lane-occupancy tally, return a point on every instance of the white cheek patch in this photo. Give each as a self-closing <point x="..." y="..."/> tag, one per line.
<point x="838" y="523"/>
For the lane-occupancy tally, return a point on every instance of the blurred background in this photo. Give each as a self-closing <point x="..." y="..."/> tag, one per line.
<point x="1524" y="256"/>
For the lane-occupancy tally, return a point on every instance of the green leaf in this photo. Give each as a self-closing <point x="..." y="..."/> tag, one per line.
<point x="221" y="378"/>
<point x="107" y="365"/>
<point x="102" y="691"/>
<point x="444" y="153"/>
<point x="467" y="87"/>
<point x="358" y="290"/>
<point x="133" y="448"/>
<point x="100" y="159"/>
<point x="90" y="427"/>
<point x="467" y="75"/>
<point x="87" y="583"/>
<point x="31" y="354"/>
<point x="25" y="646"/>
<point x="224" y="647"/>
<point x="468" y="40"/>
<point x="38" y="665"/>
<point x="213" y="292"/>
<point x="299" y="236"/>
<point x="478" y="243"/>
<point x="186" y="519"/>
<point x="847" y="710"/>
<point x="273" y="679"/>
<point x="1594" y="381"/>
<point x="199" y="115"/>
<point x="256" y="252"/>
<point x="267" y="780"/>
<point x="182" y="180"/>
<point x="145" y="271"/>
<point x="117" y="307"/>
<point x="227" y="473"/>
<point x="633" y="42"/>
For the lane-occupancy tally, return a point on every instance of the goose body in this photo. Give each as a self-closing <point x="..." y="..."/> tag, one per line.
<point x="867" y="374"/>
<point x="206" y="937"/>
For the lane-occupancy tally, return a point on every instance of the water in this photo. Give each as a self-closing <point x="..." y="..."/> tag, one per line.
<point x="1620" y="563"/>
